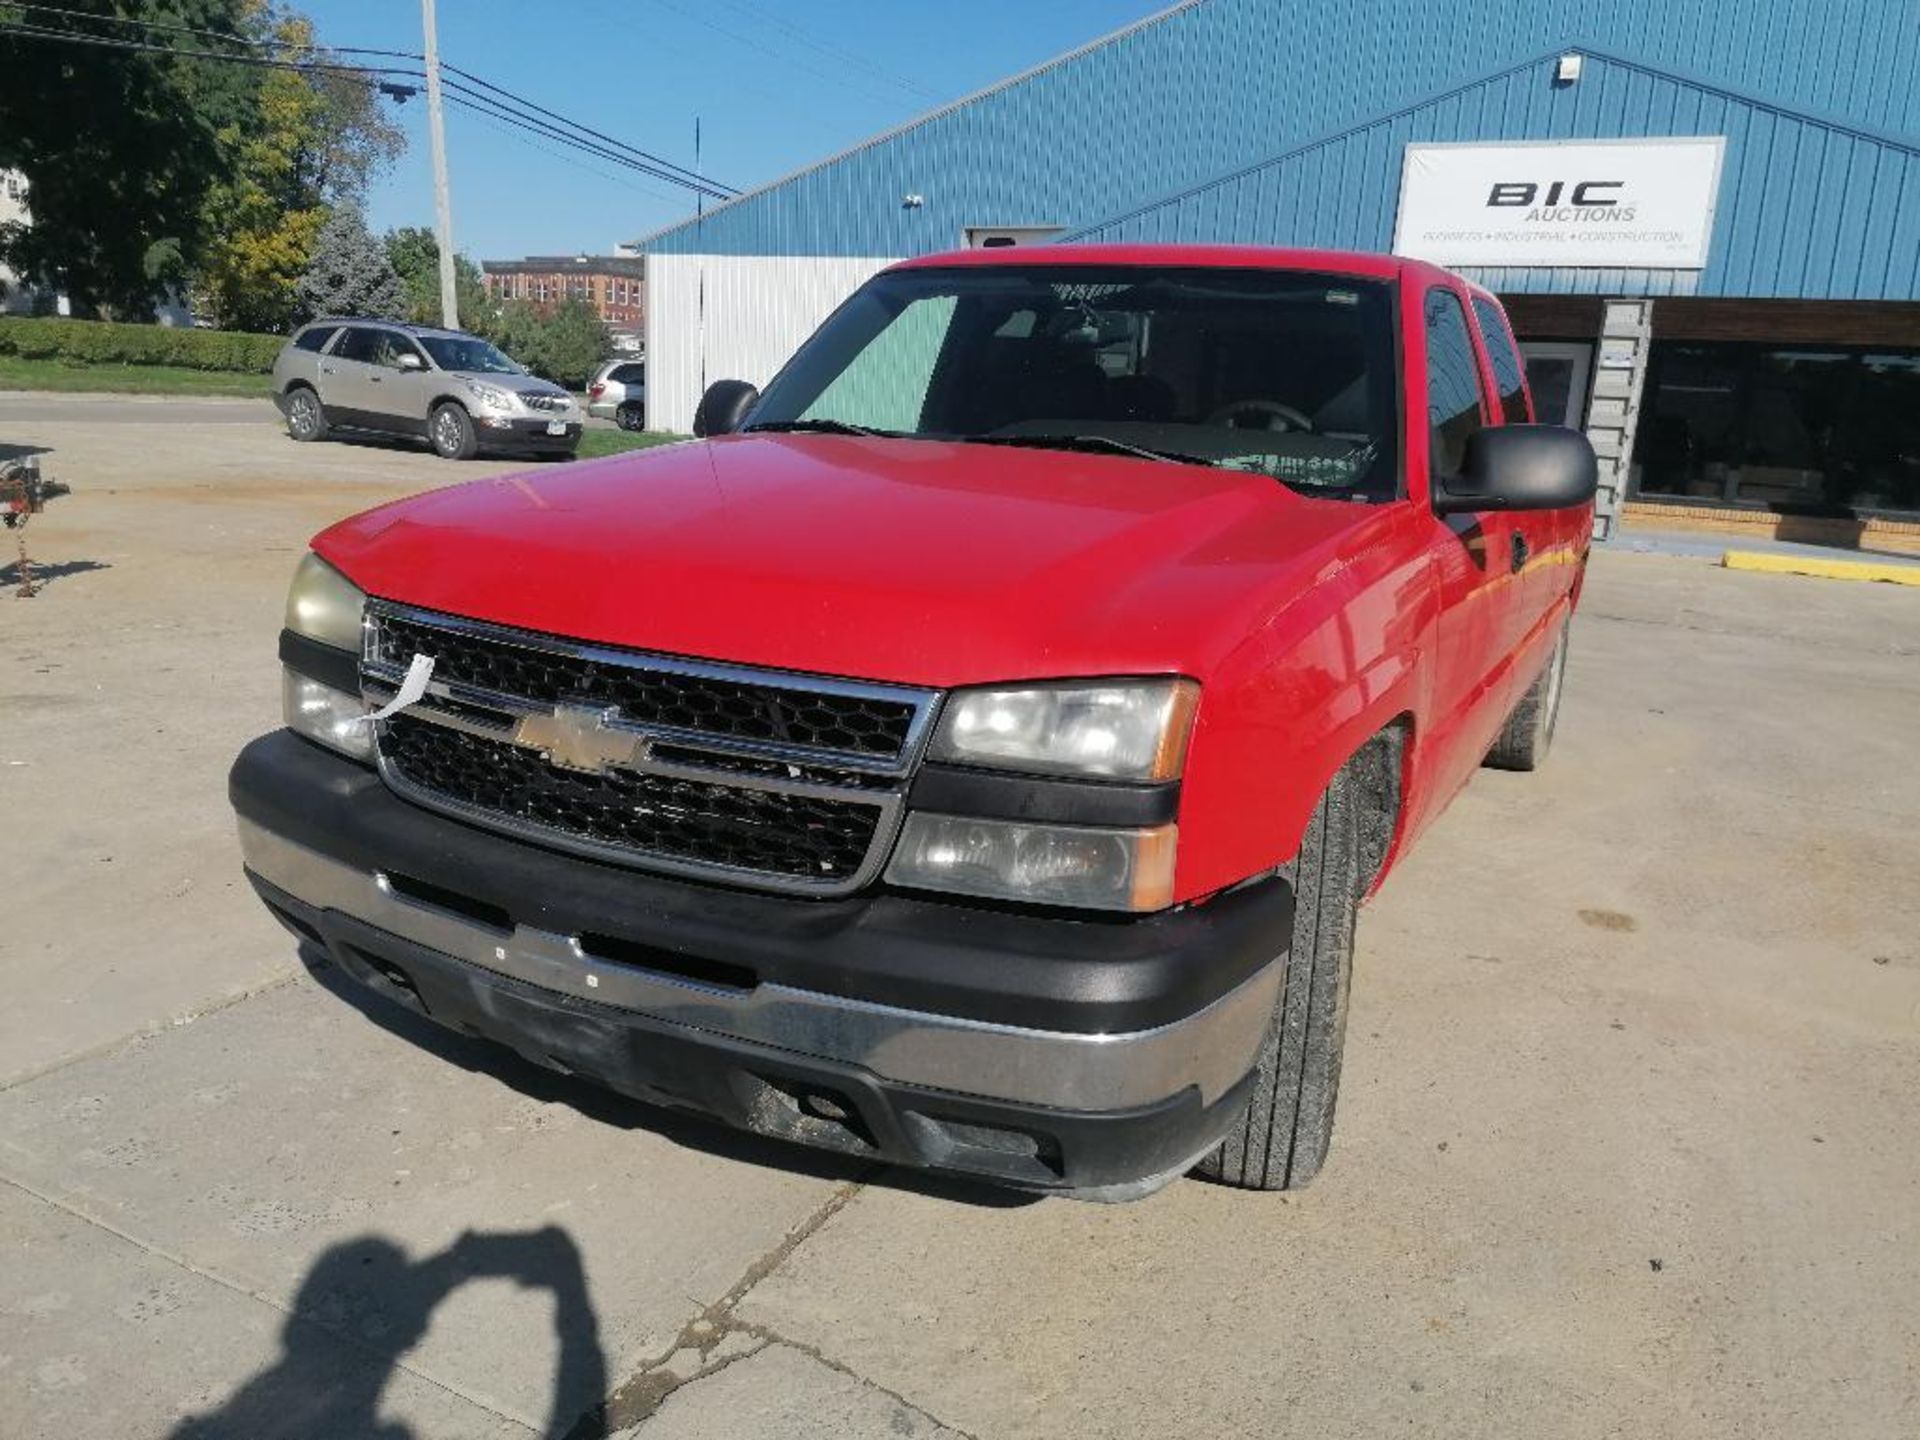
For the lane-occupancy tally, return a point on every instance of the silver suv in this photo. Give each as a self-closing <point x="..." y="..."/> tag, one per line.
<point x="455" y="389"/>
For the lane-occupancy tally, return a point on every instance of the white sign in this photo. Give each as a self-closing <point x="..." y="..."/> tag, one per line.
<point x="1574" y="202"/>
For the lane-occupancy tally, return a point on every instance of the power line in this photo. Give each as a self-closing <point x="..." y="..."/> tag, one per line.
<point x="831" y="51"/>
<point x="647" y="163"/>
<point x="710" y="185"/>
<point x="226" y="35"/>
<point x="108" y="42"/>
<point x="699" y="18"/>
<point x="474" y="99"/>
<point x="514" y="132"/>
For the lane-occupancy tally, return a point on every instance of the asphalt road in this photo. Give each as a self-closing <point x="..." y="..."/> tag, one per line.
<point x="1626" y="1144"/>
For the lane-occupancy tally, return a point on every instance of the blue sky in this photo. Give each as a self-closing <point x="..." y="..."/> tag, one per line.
<point x="776" y="84"/>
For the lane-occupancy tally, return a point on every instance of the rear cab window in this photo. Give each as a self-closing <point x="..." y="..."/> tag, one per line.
<point x="1453" y="382"/>
<point x="1509" y="375"/>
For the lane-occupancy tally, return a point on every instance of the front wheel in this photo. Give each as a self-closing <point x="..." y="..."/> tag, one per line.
<point x="306" y="421"/>
<point x="1528" y="733"/>
<point x="631" y="416"/>
<point x="1282" y="1139"/>
<point x="451" y="431"/>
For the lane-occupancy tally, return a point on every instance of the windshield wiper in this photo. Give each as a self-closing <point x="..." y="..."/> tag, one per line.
<point x="818" y="427"/>
<point x="1104" y="443"/>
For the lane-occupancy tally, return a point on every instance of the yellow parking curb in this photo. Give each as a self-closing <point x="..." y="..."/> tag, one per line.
<point x="1824" y="569"/>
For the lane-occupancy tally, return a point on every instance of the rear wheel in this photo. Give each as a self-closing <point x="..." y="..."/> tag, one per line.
<point x="451" y="431"/>
<point x="1528" y="733"/>
<point x="305" y="418"/>
<point x="1281" y="1140"/>
<point x="631" y="415"/>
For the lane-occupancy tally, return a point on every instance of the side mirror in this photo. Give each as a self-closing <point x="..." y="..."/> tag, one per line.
<point x="1520" y="467"/>
<point x="407" y="360"/>
<point x="724" y="408"/>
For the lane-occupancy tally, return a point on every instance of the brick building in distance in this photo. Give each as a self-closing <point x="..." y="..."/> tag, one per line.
<point x="613" y="284"/>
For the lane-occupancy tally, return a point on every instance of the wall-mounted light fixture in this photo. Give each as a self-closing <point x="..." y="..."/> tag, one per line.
<point x="1567" y="69"/>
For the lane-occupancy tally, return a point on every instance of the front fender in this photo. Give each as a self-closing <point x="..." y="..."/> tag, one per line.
<point x="1331" y="667"/>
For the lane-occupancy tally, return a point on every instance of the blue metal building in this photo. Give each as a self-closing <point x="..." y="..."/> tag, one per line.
<point x="1262" y="122"/>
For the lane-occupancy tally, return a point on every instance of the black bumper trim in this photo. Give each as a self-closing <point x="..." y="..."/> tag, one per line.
<point x="1036" y="970"/>
<point x="328" y="664"/>
<point x="810" y="1101"/>
<point x="959" y="790"/>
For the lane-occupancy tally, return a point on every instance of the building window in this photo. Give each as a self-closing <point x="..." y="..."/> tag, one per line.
<point x="1453" y="383"/>
<point x="1798" y="429"/>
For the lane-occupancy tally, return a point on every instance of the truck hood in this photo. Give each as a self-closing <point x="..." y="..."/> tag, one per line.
<point x="917" y="562"/>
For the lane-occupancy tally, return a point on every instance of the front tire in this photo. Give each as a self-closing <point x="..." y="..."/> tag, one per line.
<point x="306" y="419"/>
<point x="1528" y="733"/>
<point x="451" y="432"/>
<point x="631" y="415"/>
<point x="1282" y="1139"/>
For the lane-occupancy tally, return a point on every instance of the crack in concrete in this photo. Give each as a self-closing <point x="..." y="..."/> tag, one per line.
<point x="151" y="1031"/>
<point x="213" y="1277"/>
<point x="641" y="1395"/>
<point x="813" y="1352"/>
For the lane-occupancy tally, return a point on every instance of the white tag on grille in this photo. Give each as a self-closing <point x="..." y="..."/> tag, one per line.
<point x="412" y="689"/>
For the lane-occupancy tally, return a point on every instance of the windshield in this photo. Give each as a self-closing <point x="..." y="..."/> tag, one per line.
<point x="464" y="352"/>
<point x="1282" y="373"/>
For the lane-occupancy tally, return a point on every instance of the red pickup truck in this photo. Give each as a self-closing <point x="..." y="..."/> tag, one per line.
<point x="972" y="752"/>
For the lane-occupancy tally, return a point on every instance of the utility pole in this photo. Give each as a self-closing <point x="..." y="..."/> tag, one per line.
<point x="442" y="204"/>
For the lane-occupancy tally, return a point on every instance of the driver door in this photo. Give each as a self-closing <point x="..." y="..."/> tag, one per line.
<point x="404" y="375"/>
<point x="1478" y="569"/>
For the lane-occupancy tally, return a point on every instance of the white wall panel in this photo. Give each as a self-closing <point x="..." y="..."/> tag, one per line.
<point x="733" y="317"/>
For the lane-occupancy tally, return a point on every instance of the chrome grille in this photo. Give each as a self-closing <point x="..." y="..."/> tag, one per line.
<point x="776" y="780"/>
<point x="537" y="401"/>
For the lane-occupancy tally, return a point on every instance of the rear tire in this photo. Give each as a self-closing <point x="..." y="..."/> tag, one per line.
<point x="450" y="430"/>
<point x="1528" y="733"/>
<point x="631" y="415"/>
<point x="1282" y="1139"/>
<point x="306" y="417"/>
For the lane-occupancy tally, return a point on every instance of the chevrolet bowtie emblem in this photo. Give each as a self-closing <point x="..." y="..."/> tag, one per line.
<point x="579" y="737"/>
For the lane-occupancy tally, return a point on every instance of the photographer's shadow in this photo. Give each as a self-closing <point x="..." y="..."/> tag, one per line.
<point x="369" y="1294"/>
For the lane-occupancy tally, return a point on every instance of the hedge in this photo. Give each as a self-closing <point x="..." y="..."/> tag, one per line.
<point x="99" y="342"/>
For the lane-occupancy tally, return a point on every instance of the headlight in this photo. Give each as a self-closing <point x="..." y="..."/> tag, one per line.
<point x="491" y="396"/>
<point x="323" y="605"/>
<point x="320" y="712"/>
<point x="1041" y="864"/>
<point x="1117" y="729"/>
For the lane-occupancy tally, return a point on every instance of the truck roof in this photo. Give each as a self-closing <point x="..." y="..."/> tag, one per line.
<point x="1237" y="257"/>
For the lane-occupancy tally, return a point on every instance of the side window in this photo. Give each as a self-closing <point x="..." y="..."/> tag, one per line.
<point x="885" y="385"/>
<point x="315" y="337"/>
<point x="1453" y="382"/>
<point x="395" y="345"/>
<point x="357" y="344"/>
<point x="629" y="374"/>
<point x="1505" y="358"/>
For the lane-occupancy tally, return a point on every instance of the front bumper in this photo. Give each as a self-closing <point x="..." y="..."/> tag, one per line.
<point x="514" y="432"/>
<point x="1093" y="1056"/>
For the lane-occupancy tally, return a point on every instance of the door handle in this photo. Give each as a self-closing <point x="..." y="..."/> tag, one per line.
<point x="374" y="378"/>
<point x="1519" y="551"/>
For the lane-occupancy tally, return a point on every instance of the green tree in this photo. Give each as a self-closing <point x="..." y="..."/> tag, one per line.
<point x="349" y="274"/>
<point x="118" y="148"/>
<point x="415" y="256"/>
<point x="565" y="344"/>
<point x="305" y="142"/>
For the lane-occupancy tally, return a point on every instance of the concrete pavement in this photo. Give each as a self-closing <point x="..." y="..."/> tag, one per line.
<point x="1625" y="1142"/>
